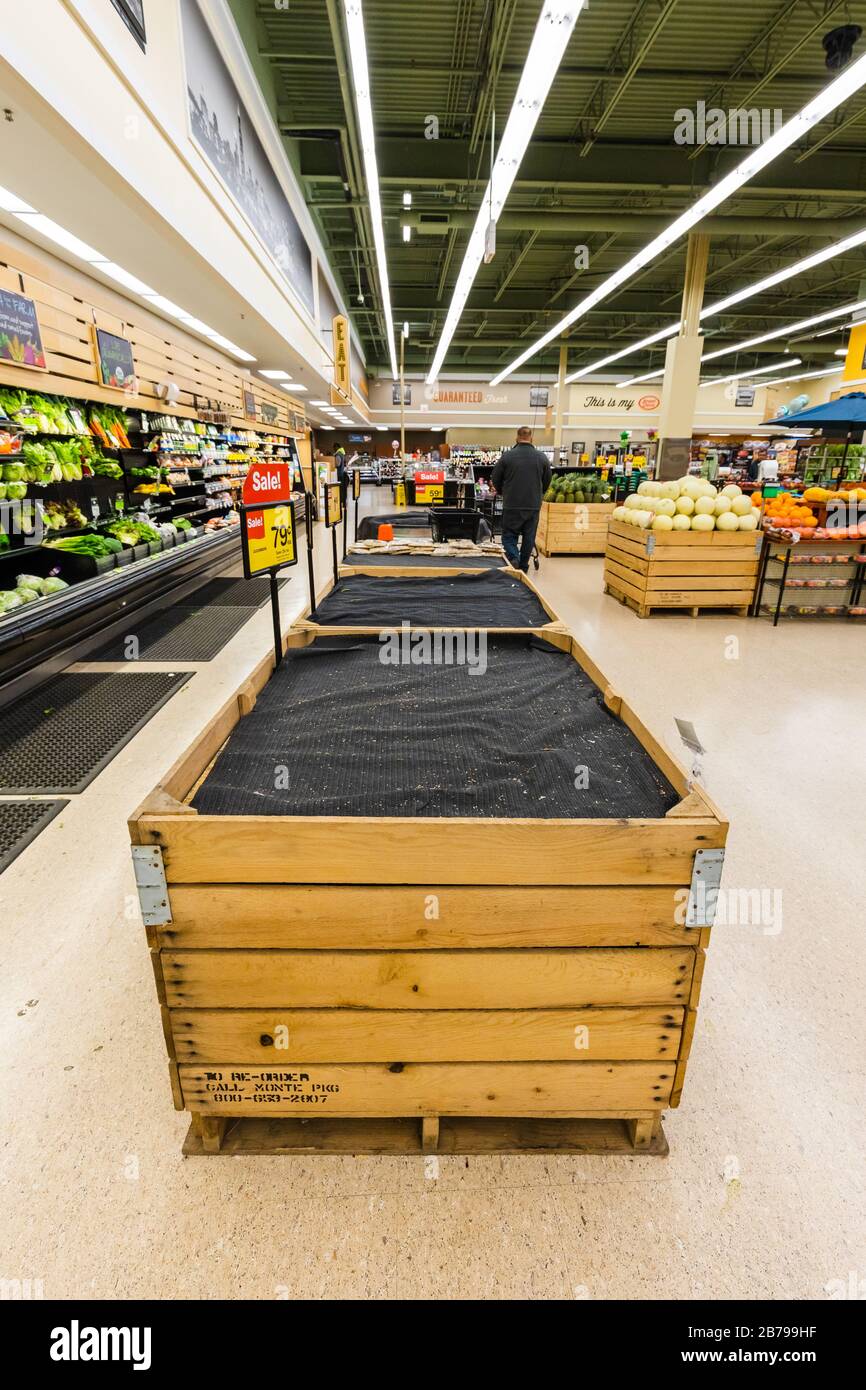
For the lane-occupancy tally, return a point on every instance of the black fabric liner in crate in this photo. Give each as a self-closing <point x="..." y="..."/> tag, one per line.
<point x="20" y="823"/>
<point x="363" y="738"/>
<point x="486" y="600"/>
<point x="409" y="519"/>
<point x="233" y="593"/>
<point x="178" y="634"/>
<point x="425" y="561"/>
<point x="57" y="739"/>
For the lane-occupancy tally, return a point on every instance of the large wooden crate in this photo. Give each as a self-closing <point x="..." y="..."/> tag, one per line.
<point x="681" y="569"/>
<point x="392" y="985"/>
<point x="303" y="623"/>
<point x="573" y="528"/>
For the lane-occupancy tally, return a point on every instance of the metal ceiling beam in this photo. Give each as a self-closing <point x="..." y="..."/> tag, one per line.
<point x="569" y="221"/>
<point x="770" y="72"/>
<point x="627" y="54"/>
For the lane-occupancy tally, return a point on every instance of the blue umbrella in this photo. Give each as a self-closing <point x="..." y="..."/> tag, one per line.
<point x="847" y="413"/>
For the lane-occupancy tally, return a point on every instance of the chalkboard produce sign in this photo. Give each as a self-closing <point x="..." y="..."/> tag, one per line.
<point x="114" y="360"/>
<point x="20" y="338"/>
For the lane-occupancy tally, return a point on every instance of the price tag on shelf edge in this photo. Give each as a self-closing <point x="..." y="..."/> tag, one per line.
<point x="268" y="538"/>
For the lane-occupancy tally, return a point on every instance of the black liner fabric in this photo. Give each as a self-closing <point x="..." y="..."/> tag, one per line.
<point x="426" y="561"/>
<point x="485" y="600"/>
<point x="413" y="519"/>
<point x="56" y="739"/>
<point x="232" y="593"/>
<point x="353" y="736"/>
<point x="20" y="823"/>
<point x="179" y="634"/>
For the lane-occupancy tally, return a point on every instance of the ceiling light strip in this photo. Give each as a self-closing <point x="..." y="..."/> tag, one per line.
<point x="549" y="42"/>
<point x="757" y="371"/>
<point x="826" y="101"/>
<point x="361" y="79"/>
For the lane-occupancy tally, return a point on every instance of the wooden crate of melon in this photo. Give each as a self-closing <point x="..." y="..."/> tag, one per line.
<point x="683" y="544"/>
<point x="574" y="517"/>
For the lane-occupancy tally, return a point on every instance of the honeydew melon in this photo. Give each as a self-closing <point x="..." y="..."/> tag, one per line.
<point x="748" y="521"/>
<point x="727" y="521"/>
<point x="663" y="523"/>
<point x="721" y="504"/>
<point x="634" y="503"/>
<point x="670" y="489"/>
<point x="685" y="505"/>
<point x="619" y="513"/>
<point x="681" y="522"/>
<point x="732" y="491"/>
<point x="741" y="506"/>
<point x="645" y="519"/>
<point x="705" y="506"/>
<point x="703" y="521"/>
<point x="666" y="506"/>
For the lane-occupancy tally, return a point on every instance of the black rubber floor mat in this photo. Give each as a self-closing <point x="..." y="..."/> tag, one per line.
<point x="57" y="739"/>
<point x="20" y="823"/>
<point x="445" y="562"/>
<point x="178" y="634"/>
<point x="489" y="600"/>
<point x="232" y="593"/>
<point x="409" y="519"/>
<point x="364" y="728"/>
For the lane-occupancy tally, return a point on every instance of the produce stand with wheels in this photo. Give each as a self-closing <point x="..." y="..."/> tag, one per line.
<point x="695" y="570"/>
<point x="396" y="983"/>
<point x="573" y="528"/>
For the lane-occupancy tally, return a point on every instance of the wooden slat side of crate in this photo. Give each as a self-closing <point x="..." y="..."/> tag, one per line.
<point x="680" y="569"/>
<point x="414" y="1089"/>
<point x="425" y="917"/>
<point x="579" y="528"/>
<point x="416" y="1035"/>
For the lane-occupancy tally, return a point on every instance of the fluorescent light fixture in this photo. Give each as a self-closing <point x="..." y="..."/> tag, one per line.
<point x="291" y="386"/>
<point x="407" y="232"/>
<point x="273" y="375"/>
<point x="756" y="371"/>
<point x="168" y="306"/>
<point x="757" y="159"/>
<point x="407" y="199"/>
<point x="354" y="15"/>
<point x="323" y="404"/>
<point x="405" y="329"/>
<point x="650" y="376"/>
<point x="381" y="427"/>
<point x="10" y="202"/>
<point x="802" y="376"/>
<point x="38" y="222"/>
<point x="839" y="248"/>
<point x="841" y="352"/>
<point x="549" y="42"/>
<point x="325" y="427"/>
<point x="788" y="330"/>
<point x="125" y="278"/>
<point x="668" y="332"/>
<point x="231" y="347"/>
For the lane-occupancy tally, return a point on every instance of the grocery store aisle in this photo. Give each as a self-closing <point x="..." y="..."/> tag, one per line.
<point x="763" y="1194"/>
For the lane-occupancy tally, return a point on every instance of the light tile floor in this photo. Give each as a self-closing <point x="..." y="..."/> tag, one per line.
<point x="764" y="1192"/>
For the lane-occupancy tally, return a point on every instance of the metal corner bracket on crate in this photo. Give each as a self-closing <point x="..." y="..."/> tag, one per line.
<point x="151" y="885"/>
<point x="704" y="889"/>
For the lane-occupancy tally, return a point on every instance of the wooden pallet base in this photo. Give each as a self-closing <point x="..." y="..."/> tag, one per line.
<point x="410" y="1136"/>
<point x="597" y="549"/>
<point x="644" y="610"/>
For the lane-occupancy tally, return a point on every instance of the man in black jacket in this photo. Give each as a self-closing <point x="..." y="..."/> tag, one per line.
<point x="521" y="477"/>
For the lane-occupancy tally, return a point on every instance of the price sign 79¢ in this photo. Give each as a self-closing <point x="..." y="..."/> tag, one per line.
<point x="268" y="538"/>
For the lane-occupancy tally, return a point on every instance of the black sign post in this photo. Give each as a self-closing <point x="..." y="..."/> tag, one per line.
<point x="356" y="493"/>
<point x="344" y="502"/>
<point x="333" y="517"/>
<point x="308" y="517"/>
<point x="268" y="544"/>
